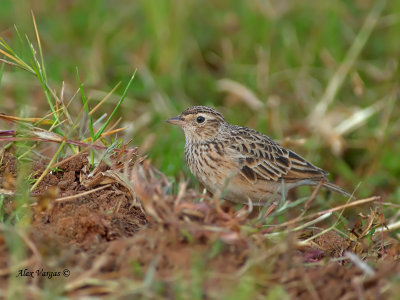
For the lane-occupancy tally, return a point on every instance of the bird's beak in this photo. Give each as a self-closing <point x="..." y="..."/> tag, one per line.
<point x="175" y="121"/>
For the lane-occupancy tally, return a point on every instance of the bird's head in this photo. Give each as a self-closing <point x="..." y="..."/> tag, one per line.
<point x="199" y="123"/>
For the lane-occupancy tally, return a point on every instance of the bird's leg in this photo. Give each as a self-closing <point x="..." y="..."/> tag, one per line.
<point x="271" y="208"/>
<point x="218" y="208"/>
<point x="282" y="193"/>
<point x="314" y="194"/>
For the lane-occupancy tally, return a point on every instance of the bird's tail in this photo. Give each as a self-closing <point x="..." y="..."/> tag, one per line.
<point x="337" y="189"/>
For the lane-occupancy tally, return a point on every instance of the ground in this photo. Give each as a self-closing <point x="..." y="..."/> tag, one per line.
<point x="147" y="241"/>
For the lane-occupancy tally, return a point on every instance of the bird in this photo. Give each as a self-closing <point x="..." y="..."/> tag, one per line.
<point x="241" y="164"/>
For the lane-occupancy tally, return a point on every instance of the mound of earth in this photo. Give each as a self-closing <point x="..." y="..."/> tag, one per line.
<point x="120" y="231"/>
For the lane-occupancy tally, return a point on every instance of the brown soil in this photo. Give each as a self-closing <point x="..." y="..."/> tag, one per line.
<point x="106" y="236"/>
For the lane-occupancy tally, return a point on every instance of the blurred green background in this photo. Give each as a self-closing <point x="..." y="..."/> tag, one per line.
<point x="263" y="64"/>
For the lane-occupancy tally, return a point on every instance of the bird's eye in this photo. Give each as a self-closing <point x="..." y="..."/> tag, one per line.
<point x="200" y="119"/>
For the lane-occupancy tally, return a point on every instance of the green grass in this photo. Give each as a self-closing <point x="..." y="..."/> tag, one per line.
<point x="285" y="53"/>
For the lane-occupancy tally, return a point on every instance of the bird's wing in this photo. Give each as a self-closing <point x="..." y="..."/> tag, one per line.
<point x="260" y="158"/>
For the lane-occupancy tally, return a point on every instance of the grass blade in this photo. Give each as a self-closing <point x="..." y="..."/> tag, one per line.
<point x="40" y="48"/>
<point x="2" y="71"/>
<point x="338" y="78"/>
<point x="86" y="106"/>
<point x="98" y="133"/>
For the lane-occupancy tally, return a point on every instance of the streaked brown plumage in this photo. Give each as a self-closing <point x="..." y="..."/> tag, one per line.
<point x="240" y="163"/>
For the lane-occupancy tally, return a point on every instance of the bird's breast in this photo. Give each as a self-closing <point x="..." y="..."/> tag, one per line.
<point x="209" y="164"/>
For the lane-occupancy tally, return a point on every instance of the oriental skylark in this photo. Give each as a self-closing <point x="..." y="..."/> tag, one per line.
<point x="240" y="163"/>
